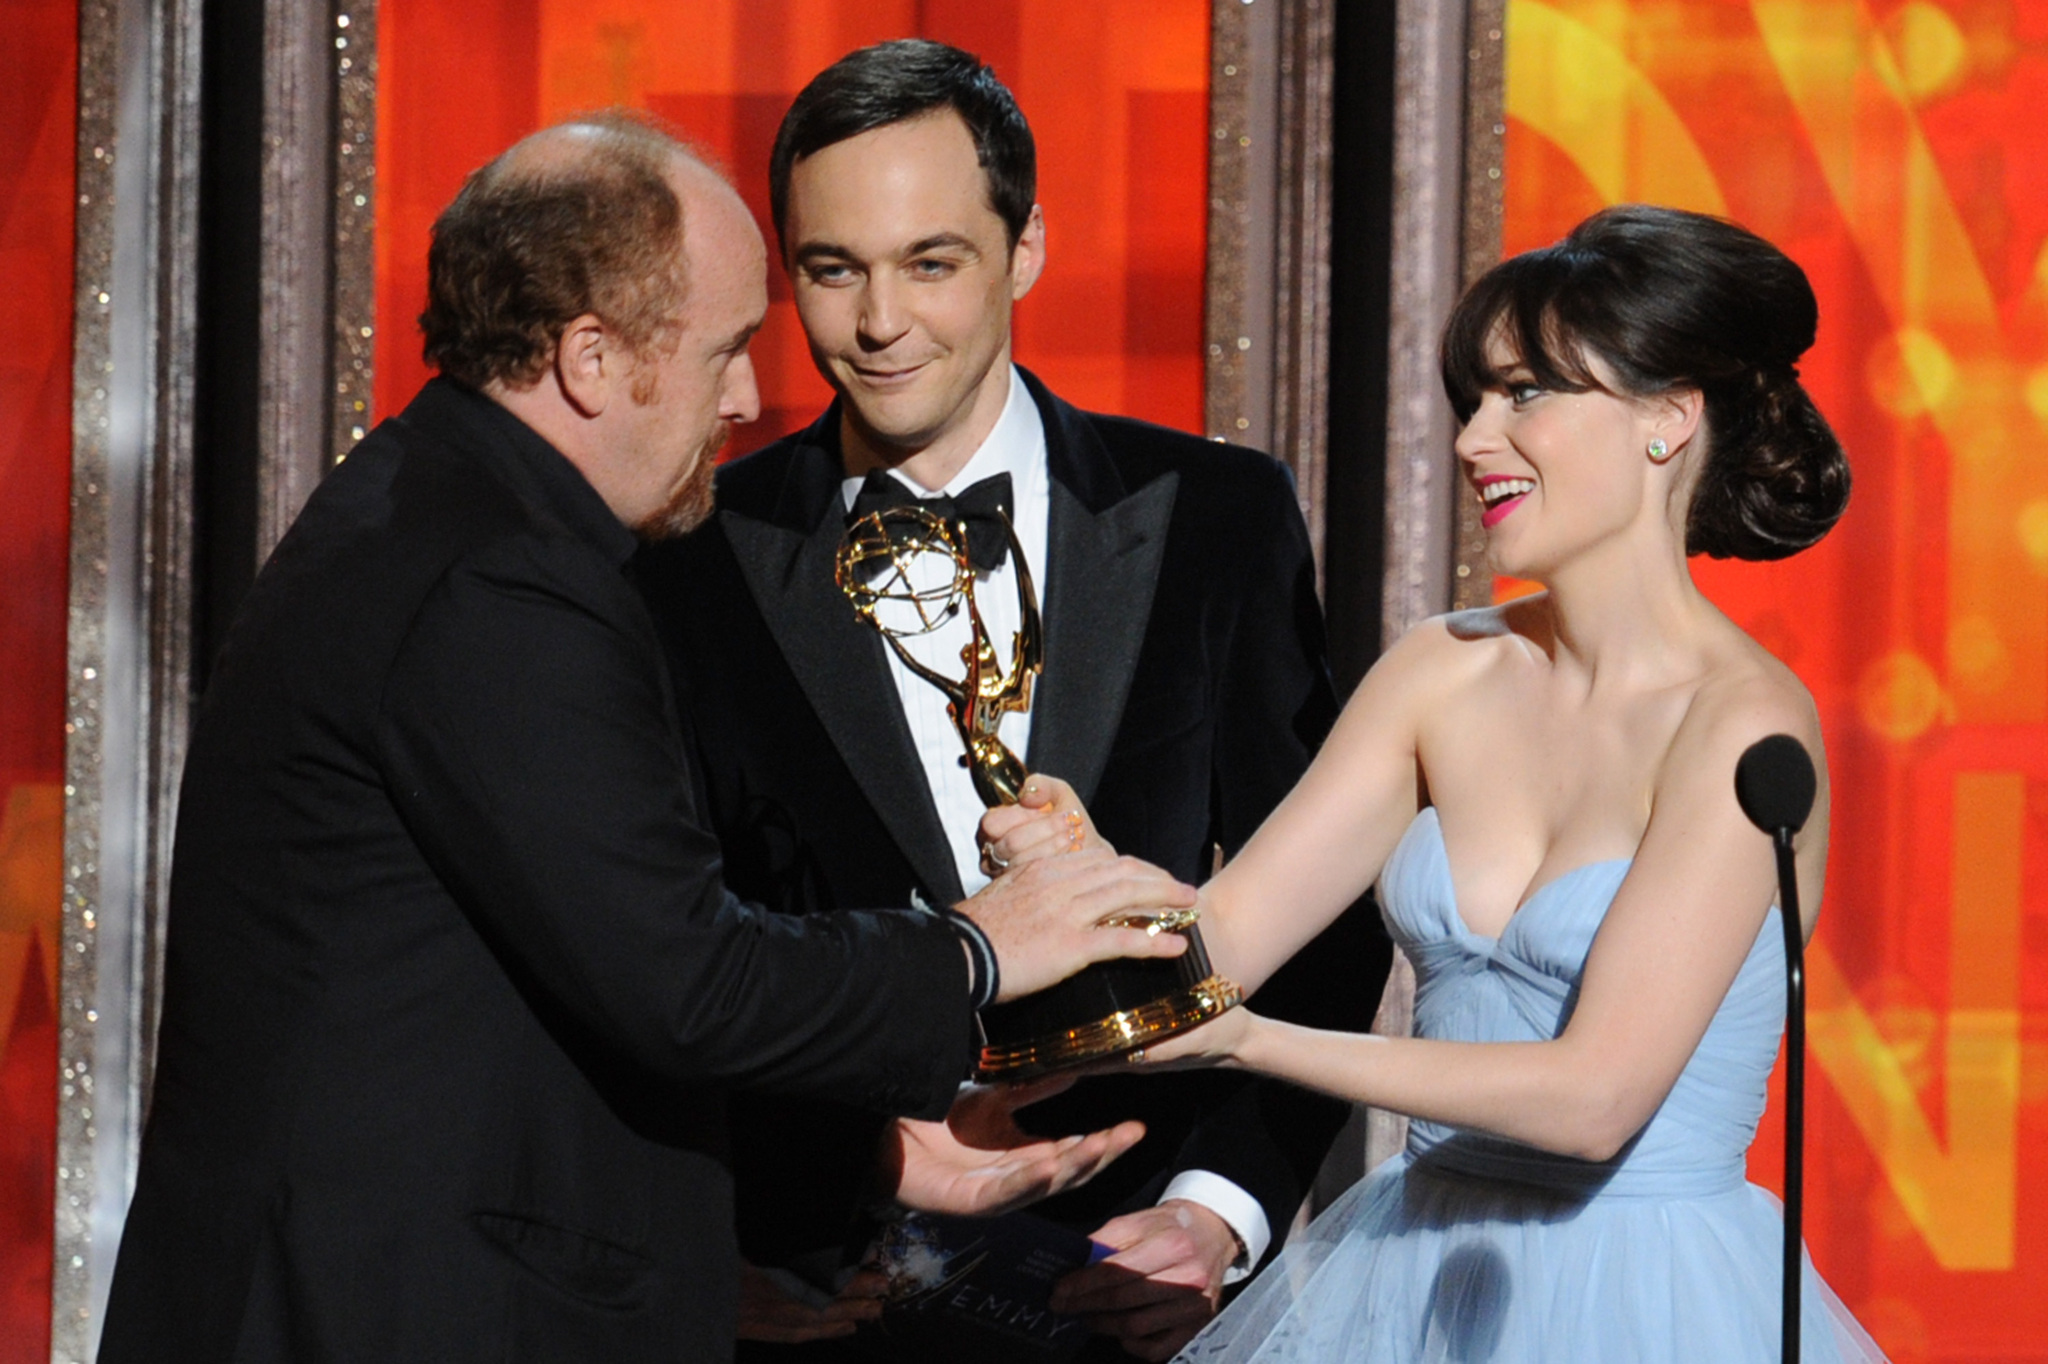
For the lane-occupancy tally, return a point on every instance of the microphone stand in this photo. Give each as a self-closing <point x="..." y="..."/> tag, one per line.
<point x="1775" y="785"/>
<point x="1795" y="1085"/>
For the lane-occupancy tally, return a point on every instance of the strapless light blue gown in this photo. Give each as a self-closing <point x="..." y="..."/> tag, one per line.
<point x="1470" y="1249"/>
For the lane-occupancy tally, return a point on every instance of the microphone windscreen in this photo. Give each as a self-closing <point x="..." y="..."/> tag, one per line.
<point x="1775" y="783"/>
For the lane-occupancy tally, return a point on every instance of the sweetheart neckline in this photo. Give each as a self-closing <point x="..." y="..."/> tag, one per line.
<point x="1464" y="925"/>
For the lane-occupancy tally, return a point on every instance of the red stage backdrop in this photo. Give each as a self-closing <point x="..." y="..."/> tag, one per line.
<point x="38" y="134"/>
<point x="1895" y="151"/>
<point x="1116" y="92"/>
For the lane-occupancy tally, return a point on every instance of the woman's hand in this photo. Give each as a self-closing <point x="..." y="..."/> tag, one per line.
<point x="1047" y="820"/>
<point x="1219" y="1042"/>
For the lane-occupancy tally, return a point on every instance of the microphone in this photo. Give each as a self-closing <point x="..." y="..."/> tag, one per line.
<point x="1775" y="785"/>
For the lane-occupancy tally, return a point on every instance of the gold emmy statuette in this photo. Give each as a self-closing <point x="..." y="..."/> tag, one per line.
<point x="906" y="571"/>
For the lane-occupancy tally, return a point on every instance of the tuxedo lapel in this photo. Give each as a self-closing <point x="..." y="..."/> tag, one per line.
<point x="1103" y="549"/>
<point x="838" y="661"/>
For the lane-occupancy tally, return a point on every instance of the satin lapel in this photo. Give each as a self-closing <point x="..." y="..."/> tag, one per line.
<point x="841" y="667"/>
<point x="1102" y="569"/>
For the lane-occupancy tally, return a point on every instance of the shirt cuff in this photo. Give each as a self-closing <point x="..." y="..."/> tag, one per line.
<point x="1236" y="1207"/>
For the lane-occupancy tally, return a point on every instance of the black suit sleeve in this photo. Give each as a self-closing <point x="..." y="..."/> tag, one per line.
<point x="1275" y="702"/>
<point x="531" y="747"/>
<point x="1274" y="707"/>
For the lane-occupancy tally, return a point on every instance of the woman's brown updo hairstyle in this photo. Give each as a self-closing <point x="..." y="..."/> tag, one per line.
<point x="1669" y="301"/>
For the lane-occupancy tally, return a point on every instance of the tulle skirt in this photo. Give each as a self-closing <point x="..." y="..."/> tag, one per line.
<point x="1419" y="1264"/>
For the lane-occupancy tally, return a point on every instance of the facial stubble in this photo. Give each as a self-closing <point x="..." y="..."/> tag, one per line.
<point x="689" y="506"/>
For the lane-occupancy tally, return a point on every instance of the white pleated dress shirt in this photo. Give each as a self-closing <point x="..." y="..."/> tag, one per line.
<point x="1016" y="447"/>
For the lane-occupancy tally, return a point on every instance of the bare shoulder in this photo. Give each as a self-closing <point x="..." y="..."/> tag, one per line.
<point x="1463" y="646"/>
<point x="1747" y="695"/>
<point x="1526" y="617"/>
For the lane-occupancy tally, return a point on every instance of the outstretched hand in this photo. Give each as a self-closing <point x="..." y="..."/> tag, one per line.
<point x="978" y="1162"/>
<point x="1219" y="1042"/>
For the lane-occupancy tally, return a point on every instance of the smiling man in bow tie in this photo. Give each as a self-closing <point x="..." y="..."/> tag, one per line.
<point x="1183" y="692"/>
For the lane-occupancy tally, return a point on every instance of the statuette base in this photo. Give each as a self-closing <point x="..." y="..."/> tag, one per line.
<point x="1123" y="1031"/>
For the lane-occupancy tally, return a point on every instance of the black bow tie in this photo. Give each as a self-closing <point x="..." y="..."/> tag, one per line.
<point x="980" y="506"/>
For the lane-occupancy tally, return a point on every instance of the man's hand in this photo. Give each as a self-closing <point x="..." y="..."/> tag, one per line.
<point x="1162" y="1285"/>
<point x="768" y="1311"/>
<point x="1047" y="820"/>
<point x="978" y="1162"/>
<point x="1044" y="919"/>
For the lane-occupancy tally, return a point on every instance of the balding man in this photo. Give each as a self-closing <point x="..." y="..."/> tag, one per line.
<point x="454" y="990"/>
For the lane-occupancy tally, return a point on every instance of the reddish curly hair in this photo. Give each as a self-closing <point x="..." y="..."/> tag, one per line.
<point x="545" y="234"/>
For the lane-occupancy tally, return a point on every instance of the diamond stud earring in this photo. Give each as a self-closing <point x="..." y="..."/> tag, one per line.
<point x="1658" y="449"/>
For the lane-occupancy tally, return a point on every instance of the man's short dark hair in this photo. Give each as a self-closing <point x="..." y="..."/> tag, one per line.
<point x="905" y="79"/>
<point x="543" y="235"/>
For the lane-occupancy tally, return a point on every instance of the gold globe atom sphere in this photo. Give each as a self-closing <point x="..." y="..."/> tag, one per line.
<point x="908" y="559"/>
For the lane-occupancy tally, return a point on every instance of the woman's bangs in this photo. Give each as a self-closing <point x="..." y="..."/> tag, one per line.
<point x="1515" y="304"/>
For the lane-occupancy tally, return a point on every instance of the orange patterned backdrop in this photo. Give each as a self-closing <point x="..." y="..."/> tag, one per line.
<point x="38" y="122"/>
<point x="1116" y="92"/>
<point x="1895" y="150"/>
<point x="1889" y="147"/>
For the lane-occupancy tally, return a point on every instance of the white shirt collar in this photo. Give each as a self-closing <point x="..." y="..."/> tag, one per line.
<point x="1015" y="446"/>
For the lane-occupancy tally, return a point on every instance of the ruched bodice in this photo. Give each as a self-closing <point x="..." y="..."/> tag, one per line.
<point x="1470" y="1249"/>
<point x="1520" y="986"/>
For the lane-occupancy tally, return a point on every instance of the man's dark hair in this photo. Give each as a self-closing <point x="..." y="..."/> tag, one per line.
<point x="543" y="235"/>
<point x="906" y="79"/>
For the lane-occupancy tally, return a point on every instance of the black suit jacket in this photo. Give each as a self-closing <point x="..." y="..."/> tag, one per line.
<point x="1184" y="691"/>
<point x="455" y="988"/>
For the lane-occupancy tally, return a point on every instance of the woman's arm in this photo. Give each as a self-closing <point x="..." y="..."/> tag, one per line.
<point x="1679" y="929"/>
<point x="1325" y="843"/>
<point x="1321" y="847"/>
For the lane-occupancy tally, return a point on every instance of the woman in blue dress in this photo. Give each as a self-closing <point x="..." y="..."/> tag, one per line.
<point x="1543" y="792"/>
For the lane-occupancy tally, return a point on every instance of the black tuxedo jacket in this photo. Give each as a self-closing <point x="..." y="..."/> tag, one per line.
<point x="455" y="989"/>
<point x="1184" y="690"/>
